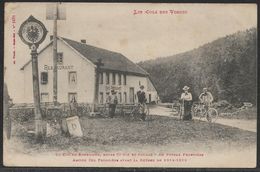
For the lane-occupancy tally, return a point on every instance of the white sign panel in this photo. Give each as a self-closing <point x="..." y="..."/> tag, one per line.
<point x="61" y="11"/>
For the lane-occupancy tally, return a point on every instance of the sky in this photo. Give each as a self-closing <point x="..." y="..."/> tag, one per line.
<point x="137" y="36"/>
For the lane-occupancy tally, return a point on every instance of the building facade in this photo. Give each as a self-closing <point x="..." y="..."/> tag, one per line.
<point x="77" y="75"/>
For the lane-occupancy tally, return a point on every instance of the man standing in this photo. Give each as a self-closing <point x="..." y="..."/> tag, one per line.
<point x="112" y="100"/>
<point x="73" y="106"/>
<point x="142" y="100"/>
<point x="186" y="98"/>
<point x="206" y="98"/>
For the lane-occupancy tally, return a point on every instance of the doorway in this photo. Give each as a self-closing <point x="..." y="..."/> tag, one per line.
<point x="131" y="95"/>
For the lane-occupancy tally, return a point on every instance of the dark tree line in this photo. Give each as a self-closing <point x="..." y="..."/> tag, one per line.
<point x="227" y="66"/>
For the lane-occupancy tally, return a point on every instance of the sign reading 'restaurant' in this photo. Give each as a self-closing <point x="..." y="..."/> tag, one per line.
<point x="112" y="87"/>
<point x="59" y="67"/>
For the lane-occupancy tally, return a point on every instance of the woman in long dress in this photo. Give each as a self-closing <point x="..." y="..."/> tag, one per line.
<point x="186" y="98"/>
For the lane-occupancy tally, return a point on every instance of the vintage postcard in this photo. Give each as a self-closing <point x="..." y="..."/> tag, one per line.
<point x="130" y="85"/>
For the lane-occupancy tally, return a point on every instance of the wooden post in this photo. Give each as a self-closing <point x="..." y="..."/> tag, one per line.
<point x="55" y="73"/>
<point x="97" y="86"/>
<point x="97" y="71"/>
<point x="95" y="101"/>
<point x="39" y="127"/>
<point x="55" y="12"/>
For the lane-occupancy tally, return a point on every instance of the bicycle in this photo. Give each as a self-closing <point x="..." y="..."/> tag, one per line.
<point x="200" y="111"/>
<point x="136" y="113"/>
<point x="178" y="109"/>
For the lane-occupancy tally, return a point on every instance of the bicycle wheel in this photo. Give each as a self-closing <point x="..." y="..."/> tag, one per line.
<point x="212" y="115"/>
<point x="194" y="111"/>
<point x="104" y="112"/>
<point x="199" y="112"/>
<point x="147" y="112"/>
<point x="134" y="113"/>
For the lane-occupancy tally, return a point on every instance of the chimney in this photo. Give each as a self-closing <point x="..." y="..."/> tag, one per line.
<point x="83" y="41"/>
<point x="51" y="37"/>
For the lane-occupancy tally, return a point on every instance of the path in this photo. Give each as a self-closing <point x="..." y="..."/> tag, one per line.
<point x="249" y="125"/>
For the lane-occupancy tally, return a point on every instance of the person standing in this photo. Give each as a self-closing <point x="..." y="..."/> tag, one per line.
<point x="112" y="100"/>
<point x="206" y="98"/>
<point x="142" y="101"/>
<point x="73" y="106"/>
<point x="186" y="98"/>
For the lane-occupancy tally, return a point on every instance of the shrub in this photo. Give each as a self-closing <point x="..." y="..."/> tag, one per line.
<point x="22" y="114"/>
<point x="221" y="104"/>
<point x="25" y="113"/>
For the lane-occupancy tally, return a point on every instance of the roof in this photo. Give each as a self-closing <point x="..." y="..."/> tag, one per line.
<point x="112" y="61"/>
<point x="22" y="68"/>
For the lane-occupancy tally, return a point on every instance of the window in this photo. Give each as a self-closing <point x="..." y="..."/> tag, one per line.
<point x="124" y="79"/>
<point x="73" y="97"/>
<point x="107" y="78"/>
<point x="113" y="78"/>
<point x="125" y="97"/>
<point x="72" y="78"/>
<point x="60" y="58"/>
<point x="101" y="98"/>
<point x="44" y="77"/>
<point x="100" y="78"/>
<point x="107" y="96"/>
<point x="139" y="83"/>
<point x="44" y="97"/>
<point x="120" y="97"/>
<point x="119" y="79"/>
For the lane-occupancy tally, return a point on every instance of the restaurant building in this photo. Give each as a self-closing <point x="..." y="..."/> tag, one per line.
<point x="77" y="75"/>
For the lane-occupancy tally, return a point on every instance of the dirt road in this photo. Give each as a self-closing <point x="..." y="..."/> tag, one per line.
<point x="249" y="125"/>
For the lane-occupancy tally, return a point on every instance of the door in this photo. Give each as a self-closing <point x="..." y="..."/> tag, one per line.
<point x="131" y="95"/>
<point x="73" y="97"/>
<point x="150" y="98"/>
<point x="101" y="98"/>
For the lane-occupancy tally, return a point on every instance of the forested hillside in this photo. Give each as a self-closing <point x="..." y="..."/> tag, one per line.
<point x="227" y="66"/>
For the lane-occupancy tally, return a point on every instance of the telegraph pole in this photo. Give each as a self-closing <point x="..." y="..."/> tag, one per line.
<point x="55" y="73"/>
<point x="55" y="12"/>
<point x="97" y="72"/>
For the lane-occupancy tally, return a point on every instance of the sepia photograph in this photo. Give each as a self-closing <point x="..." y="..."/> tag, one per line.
<point x="130" y="85"/>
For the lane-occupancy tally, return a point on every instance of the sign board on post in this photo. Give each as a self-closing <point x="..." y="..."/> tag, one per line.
<point x="113" y="87"/>
<point x="74" y="127"/>
<point x="33" y="32"/>
<point x="51" y="9"/>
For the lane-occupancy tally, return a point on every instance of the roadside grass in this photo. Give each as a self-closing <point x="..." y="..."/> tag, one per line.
<point x="104" y="133"/>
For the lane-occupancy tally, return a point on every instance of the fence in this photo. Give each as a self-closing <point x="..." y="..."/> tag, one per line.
<point x="25" y="112"/>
